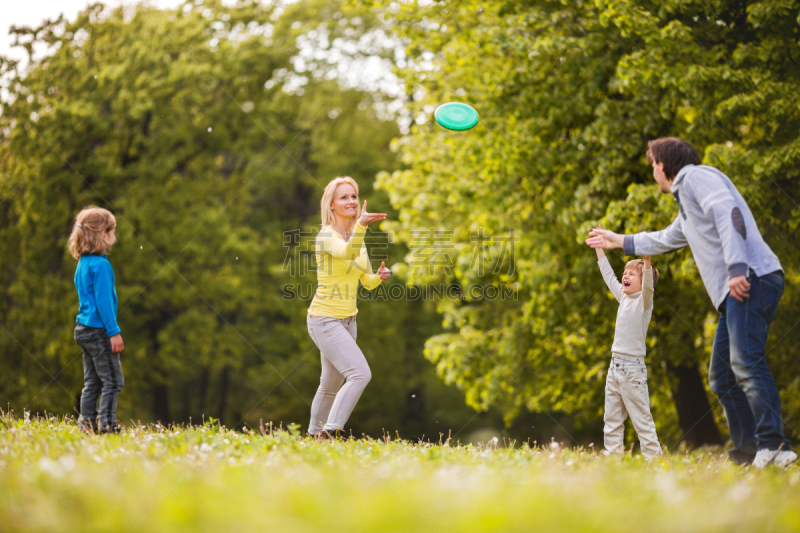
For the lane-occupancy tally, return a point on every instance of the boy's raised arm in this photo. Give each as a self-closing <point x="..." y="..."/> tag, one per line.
<point x="610" y="278"/>
<point x="647" y="282"/>
<point x="608" y="273"/>
<point x="600" y="253"/>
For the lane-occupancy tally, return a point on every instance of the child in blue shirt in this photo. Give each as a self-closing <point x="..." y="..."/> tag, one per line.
<point x="96" y="329"/>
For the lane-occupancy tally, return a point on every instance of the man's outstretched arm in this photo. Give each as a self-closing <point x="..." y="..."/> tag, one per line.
<point x="645" y="243"/>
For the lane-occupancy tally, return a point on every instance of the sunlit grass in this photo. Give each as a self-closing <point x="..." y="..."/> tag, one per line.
<point x="207" y="478"/>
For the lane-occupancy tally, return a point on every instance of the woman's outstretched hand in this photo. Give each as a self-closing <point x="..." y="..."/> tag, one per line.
<point x="383" y="272"/>
<point x="603" y="238"/>
<point x="368" y="218"/>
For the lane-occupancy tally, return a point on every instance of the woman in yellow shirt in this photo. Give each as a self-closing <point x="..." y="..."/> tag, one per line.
<point x="342" y="262"/>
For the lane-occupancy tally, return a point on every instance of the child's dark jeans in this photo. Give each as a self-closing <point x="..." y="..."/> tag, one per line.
<point x="102" y="376"/>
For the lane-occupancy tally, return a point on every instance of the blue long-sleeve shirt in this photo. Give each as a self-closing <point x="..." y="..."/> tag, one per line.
<point x="716" y="223"/>
<point x="94" y="279"/>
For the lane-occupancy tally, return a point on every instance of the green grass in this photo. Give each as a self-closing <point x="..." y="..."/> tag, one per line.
<point x="206" y="478"/>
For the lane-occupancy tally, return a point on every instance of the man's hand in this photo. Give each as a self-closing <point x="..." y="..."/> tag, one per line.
<point x="603" y="238"/>
<point x="117" y="345"/>
<point x="600" y="253"/>
<point x="740" y="287"/>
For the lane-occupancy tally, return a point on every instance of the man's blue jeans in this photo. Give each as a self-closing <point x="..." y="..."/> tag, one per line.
<point x="738" y="373"/>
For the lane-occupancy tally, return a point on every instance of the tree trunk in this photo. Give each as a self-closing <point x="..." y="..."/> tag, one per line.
<point x="161" y="404"/>
<point x="186" y="400"/>
<point x="203" y="391"/>
<point x="223" y="393"/>
<point x="694" y="412"/>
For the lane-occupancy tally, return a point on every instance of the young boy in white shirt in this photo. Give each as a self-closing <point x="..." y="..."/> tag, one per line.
<point x="626" y="384"/>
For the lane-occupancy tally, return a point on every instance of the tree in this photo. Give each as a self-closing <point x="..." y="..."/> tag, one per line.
<point x="199" y="130"/>
<point x="569" y="93"/>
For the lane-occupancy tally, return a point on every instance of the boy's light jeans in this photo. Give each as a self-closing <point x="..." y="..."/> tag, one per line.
<point x="627" y="394"/>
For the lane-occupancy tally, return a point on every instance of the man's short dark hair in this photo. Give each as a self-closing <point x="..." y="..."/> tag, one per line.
<point x="674" y="152"/>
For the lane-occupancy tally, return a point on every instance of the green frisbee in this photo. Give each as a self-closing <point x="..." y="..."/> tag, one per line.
<point x="456" y="116"/>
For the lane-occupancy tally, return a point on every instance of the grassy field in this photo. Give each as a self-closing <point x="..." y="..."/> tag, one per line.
<point x="206" y="478"/>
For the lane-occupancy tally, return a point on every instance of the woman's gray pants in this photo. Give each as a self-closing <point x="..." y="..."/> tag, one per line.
<point x="342" y="360"/>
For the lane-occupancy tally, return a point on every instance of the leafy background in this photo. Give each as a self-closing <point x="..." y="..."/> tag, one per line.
<point x="200" y="129"/>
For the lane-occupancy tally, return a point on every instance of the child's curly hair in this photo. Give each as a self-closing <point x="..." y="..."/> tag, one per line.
<point x="638" y="264"/>
<point x="87" y="233"/>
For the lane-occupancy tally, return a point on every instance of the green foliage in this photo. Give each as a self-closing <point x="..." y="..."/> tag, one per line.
<point x="569" y="93"/>
<point x="208" y="478"/>
<point x="196" y="128"/>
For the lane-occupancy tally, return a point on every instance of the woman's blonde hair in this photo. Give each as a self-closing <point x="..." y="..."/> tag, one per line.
<point x="87" y="232"/>
<point x="327" y="199"/>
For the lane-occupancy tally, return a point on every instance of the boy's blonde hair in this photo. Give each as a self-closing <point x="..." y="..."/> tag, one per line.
<point x="638" y="265"/>
<point x="327" y="199"/>
<point x="87" y="232"/>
